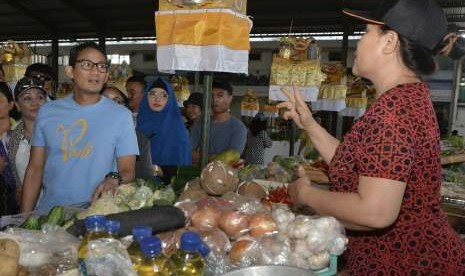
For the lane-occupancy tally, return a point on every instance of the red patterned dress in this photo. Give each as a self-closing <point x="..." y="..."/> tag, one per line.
<point x="398" y="138"/>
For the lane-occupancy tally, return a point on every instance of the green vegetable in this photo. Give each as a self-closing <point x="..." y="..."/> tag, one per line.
<point x="56" y="216"/>
<point x="31" y="223"/>
<point x="42" y="220"/>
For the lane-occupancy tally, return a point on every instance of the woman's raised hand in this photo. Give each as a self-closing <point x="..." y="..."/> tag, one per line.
<point x="297" y="109"/>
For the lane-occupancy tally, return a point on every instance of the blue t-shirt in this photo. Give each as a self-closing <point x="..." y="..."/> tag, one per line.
<point x="82" y="145"/>
<point x="227" y="135"/>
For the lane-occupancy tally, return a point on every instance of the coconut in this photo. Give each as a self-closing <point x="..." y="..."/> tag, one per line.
<point x="217" y="178"/>
<point x="252" y="189"/>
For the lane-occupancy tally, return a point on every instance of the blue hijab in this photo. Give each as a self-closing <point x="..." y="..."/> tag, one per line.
<point x="169" y="139"/>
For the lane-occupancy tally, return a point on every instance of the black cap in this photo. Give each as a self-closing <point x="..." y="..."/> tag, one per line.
<point x="195" y="98"/>
<point x="423" y="22"/>
<point x="27" y="83"/>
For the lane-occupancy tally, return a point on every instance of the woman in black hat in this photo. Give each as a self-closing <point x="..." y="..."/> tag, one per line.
<point x="193" y="109"/>
<point x="386" y="174"/>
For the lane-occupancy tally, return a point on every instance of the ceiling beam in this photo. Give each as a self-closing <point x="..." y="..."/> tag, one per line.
<point x="20" y="7"/>
<point x="98" y="25"/>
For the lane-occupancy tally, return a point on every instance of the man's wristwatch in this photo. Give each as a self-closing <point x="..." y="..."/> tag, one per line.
<point x="115" y="175"/>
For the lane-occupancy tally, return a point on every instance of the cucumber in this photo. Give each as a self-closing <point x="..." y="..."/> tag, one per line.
<point x="42" y="220"/>
<point x="56" y="216"/>
<point x="31" y="223"/>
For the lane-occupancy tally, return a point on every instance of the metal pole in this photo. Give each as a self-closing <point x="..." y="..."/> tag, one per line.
<point x="54" y="64"/>
<point x="292" y="136"/>
<point x="345" y="42"/>
<point x="102" y="42"/>
<point x="197" y="81"/>
<point x="204" y="137"/>
<point x="455" y="95"/>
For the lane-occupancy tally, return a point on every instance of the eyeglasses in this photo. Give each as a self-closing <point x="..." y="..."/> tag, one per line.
<point x="29" y="99"/>
<point x="87" y="65"/>
<point x="158" y="95"/>
<point x="118" y="101"/>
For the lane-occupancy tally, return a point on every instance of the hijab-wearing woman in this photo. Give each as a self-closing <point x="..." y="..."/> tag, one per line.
<point x="386" y="174"/>
<point x="160" y="121"/>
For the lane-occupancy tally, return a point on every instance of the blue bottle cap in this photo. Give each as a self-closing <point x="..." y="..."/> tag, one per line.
<point x="150" y="246"/>
<point x="139" y="232"/>
<point x="204" y="250"/>
<point x="95" y="222"/>
<point x="113" y="226"/>
<point x="190" y="241"/>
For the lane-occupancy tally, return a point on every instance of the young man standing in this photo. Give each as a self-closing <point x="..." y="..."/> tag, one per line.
<point x="226" y="131"/>
<point x="84" y="144"/>
<point x="135" y="87"/>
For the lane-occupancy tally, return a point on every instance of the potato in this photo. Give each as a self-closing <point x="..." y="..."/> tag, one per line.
<point x="252" y="189"/>
<point x="9" y="254"/>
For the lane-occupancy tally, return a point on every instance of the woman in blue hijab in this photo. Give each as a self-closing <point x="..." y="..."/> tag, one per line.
<point x="159" y="119"/>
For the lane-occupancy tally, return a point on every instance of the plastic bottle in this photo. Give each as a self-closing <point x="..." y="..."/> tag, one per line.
<point x="154" y="263"/>
<point x="96" y="229"/>
<point x="187" y="260"/>
<point x="138" y="233"/>
<point x="113" y="227"/>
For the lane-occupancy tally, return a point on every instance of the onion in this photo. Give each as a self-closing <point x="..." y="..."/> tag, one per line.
<point x="206" y="218"/>
<point x="234" y="223"/>
<point x="239" y="250"/>
<point x="262" y="224"/>
<point x="216" y="240"/>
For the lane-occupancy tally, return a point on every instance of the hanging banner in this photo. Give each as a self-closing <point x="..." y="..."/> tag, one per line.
<point x="203" y="40"/>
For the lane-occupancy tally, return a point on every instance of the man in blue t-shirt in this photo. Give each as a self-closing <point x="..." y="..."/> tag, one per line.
<point x="82" y="145"/>
<point x="226" y="131"/>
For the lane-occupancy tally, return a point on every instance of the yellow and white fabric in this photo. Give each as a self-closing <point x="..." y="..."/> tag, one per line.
<point x="203" y="40"/>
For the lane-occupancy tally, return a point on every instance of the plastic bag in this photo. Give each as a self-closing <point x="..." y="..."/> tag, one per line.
<point x="51" y="250"/>
<point x="108" y="257"/>
<point x="274" y="250"/>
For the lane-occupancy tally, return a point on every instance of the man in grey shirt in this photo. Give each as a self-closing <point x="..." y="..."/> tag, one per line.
<point x="226" y="131"/>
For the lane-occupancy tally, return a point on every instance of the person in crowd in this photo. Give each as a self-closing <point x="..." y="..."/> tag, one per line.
<point x="79" y="152"/>
<point x="257" y="140"/>
<point x="385" y="175"/>
<point x="29" y="96"/>
<point x="226" y="131"/>
<point x="8" y="203"/>
<point x="116" y="95"/>
<point x="144" y="167"/>
<point x="160" y="121"/>
<point x="193" y="108"/>
<point x="2" y="74"/>
<point x="135" y="86"/>
<point x="44" y="72"/>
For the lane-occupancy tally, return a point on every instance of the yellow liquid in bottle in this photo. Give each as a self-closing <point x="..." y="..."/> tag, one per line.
<point x="135" y="254"/>
<point x="155" y="266"/>
<point x="188" y="264"/>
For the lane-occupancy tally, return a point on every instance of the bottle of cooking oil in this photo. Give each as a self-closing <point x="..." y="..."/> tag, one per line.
<point x="138" y="233"/>
<point x="154" y="263"/>
<point x="113" y="227"/>
<point x="96" y="229"/>
<point x="187" y="260"/>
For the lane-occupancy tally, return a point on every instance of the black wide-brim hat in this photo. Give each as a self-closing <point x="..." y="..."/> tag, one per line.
<point x="423" y="22"/>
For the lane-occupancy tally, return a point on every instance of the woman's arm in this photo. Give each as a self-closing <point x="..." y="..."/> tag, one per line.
<point x="33" y="179"/>
<point x="375" y="205"/>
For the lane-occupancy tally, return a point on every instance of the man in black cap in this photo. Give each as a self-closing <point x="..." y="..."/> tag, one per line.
<point x="193" y="109"/>
<point x="226" y="132"/>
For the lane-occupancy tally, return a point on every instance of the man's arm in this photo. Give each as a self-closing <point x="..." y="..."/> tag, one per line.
<point x="238" y="138"/>
<point x="126" y="168"/>
<point x="33" y="179"/>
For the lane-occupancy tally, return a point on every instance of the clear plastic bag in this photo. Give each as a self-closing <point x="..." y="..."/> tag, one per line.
<point x="51" y="251"/>
<point x="108" y="257"/>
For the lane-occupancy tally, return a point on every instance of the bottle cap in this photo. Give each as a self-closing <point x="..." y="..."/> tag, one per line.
<point x="204" y="250"/>
<point x="95" y="222"/>
<point x="150" y="246"/>
<point x="113" y="226"/>
<point x="190" y="241"/>
<point x="140" y="232"/>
